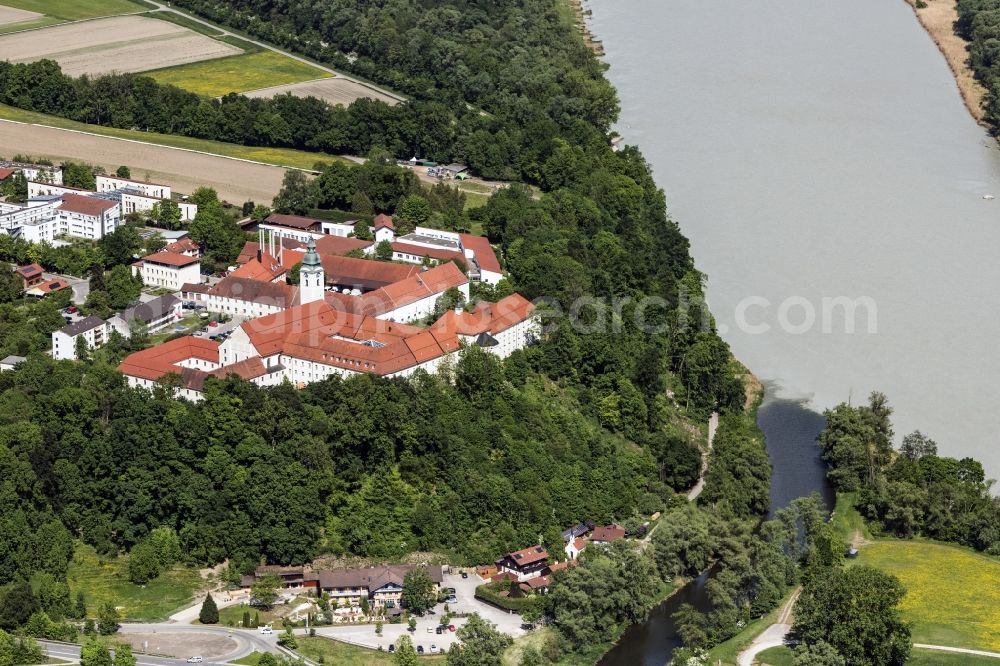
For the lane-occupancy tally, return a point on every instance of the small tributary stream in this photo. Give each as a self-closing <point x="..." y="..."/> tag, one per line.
<point x="790" y="430"/>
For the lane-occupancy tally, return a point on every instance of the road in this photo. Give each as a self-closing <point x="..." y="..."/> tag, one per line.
<point x="773" y="636"/>
<point x="713" y="425"/>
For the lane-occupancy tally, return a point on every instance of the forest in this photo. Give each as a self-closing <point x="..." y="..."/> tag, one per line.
<point x="979" y="23"/>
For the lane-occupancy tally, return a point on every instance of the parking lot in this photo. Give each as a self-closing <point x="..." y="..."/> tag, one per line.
<point x="425" y="635"/>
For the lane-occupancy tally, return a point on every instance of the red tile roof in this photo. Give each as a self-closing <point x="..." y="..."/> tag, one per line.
<point x="48" y="287"/>
<point x="340" y="245"/>
<point x="433" y="281"/>
<point x="489" y="318"/>
<point x="171" y="259"/>
<point x="608" y="533"/>
<point x="29" y="271"/>
<point x="481" y="248"/>
<point x="529" y="555"/>
<point x="383" y="220"/>
<point x="239" y="288"/>
<point x="90" y="206"/>
<point x="157" y="361"/>
<point x="183" y="245"/>
<point x="265" y="269"/>
<point x="7" y="173"/>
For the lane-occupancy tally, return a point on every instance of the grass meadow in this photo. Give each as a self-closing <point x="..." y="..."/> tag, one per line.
<point x="240" y="73"/>
<point x="782" y="656"/>
<point x="74" y="10"/>
<point x="953" y="593"/>
<point x="104" y="579"/>
<point x="334" y="653"/>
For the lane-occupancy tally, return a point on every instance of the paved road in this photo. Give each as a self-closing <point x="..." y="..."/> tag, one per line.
<point x="773" y="636"/>
<point x="72" y="653"/>
<point x="264" y="45"/>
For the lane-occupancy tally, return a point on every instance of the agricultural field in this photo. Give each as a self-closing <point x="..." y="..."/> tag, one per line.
<point x="238" y="73"/>
<point x="123" y="43"/>
<point x="953" y="594"/>
<point x="75" y="10"/>
<point x="104" y="579"/>
<point x="335" y="90"/>
<point x="182" y="162"/>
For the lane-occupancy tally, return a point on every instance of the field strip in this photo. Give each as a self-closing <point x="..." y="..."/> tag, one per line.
<point x="160" y="145"/>
<point x="185" y="169"/>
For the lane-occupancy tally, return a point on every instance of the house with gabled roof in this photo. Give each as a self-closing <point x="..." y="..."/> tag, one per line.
<point x="526" y="563"/>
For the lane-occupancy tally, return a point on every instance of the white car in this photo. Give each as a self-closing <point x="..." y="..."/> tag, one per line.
<point x="266" y="629"/>
<point x="434" y="649"/>
<point x="197" y="659"/>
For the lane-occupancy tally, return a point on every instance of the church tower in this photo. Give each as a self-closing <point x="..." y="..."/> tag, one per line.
<point x="311" y="276"/>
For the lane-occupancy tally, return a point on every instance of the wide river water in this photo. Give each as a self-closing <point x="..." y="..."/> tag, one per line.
<point x="817" y="150"/>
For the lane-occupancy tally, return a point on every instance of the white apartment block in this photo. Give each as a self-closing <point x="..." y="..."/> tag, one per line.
<point x="169" y="270"/>
<point x="113" y="183"/>
<point x="94" y="330"/>
<point x="140" y="203"/>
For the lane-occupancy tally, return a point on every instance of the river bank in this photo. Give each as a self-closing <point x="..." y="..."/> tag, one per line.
<point x="938" y="18"/>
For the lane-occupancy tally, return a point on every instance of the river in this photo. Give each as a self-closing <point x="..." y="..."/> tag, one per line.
<point x="816" y="150"/>
<point x="790" y="430"/>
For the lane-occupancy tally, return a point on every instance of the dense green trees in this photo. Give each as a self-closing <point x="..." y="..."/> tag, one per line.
<point x="418" y="591"/>
<point x="913" y="491"/>
<point x="481" y="644"/>
<point x="855" y="610"/>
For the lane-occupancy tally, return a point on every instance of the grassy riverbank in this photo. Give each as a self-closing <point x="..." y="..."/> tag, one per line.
<point x="938" y="18"/>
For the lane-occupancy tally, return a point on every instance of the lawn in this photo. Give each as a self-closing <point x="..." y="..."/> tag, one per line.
<point x="846" y="521"/>
<point x="776" y="656"/>
<point x="335" y="653"/>
<point x="782" y="656"/>
<point x="284" y="157"/>
<point x="74" y="10"/>
<point x="104" y="579"/>
<point x="239" y="73"/>
<point x="953" y="593"/>
<point x="28" y="25"/>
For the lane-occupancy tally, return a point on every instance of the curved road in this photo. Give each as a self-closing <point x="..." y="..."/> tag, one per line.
<point x="247" y="642"/>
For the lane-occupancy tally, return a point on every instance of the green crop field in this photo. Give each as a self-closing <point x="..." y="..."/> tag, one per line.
<point x="240" y="73"/>
<point x="782" y="656"/>
<point x="953" y="594"/>
<point x="104" y="579"/>
<point x="74" y="10"/>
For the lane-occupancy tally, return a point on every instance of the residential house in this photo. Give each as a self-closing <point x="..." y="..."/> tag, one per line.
<point x="382" y="586"/>
<point x="113" y="183"/>
<point x="154" y="315"/>
<point x="384" y="228"/>
<point x="93" y="330"/>
<point x="607" y="534"/>
<point x="43" y="289"/>
<point x="168" y="270"/>
<point x="30" y="275"/>
<point x="526" y="563"/>
<point x="11" y="362"/>
<point x="88" y="217"/>
<point x="574" y="547"/>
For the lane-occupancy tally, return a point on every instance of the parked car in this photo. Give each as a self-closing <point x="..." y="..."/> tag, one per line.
<point x="441" y="629"/>
<point x="465" y="574"/>
<point x="430" y="630"/>
<point x="197" y="659"/>
<point x="392" y="648"/>
<point x="452" y="599"/>
<point x="213" y="324"/>
<point x="266" y="629"/>
<point x="71" y="309"/>
<point x="434" y="649"/>
<point x="420" y="649"/>
<point x="213" y="338"/>
<point x="451" y="627"/>
<point x="449" y="590"/>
